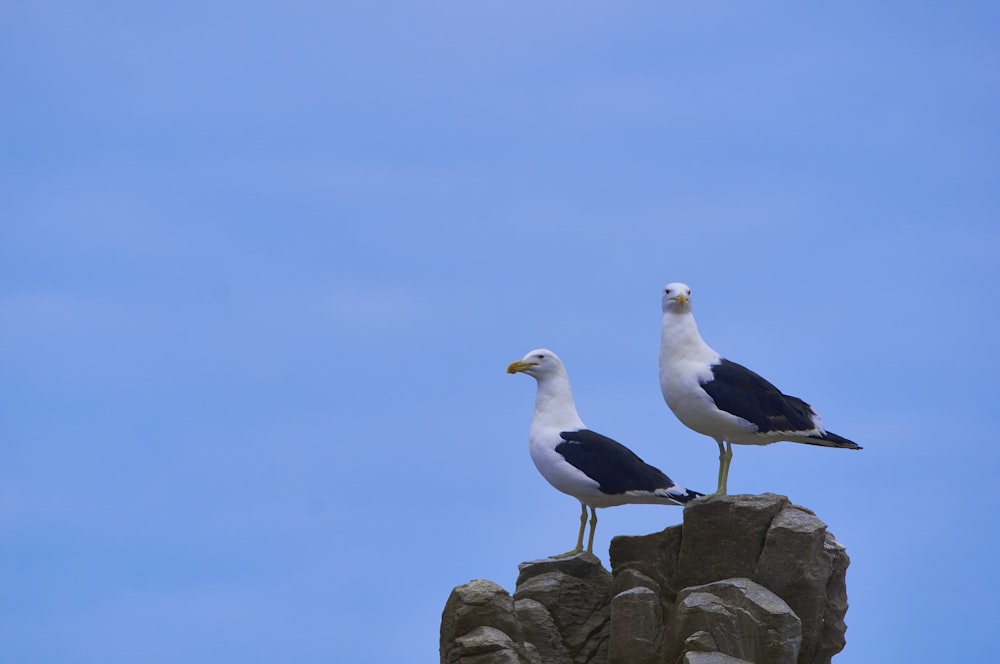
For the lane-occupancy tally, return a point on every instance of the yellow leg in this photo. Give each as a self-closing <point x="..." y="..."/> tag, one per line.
<point x="579" y="538"/>
<point x="593" y="527"/>
<point x="725" y="458"/>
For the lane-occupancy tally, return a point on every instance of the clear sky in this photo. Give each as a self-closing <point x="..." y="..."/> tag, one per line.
<point x="262" y="267"/>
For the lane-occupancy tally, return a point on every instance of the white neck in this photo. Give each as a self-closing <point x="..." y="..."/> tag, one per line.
<point x="680" y="340"/>
<point x="554" y="405"/>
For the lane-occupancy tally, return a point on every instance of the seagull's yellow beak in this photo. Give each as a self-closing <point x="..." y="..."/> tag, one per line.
<point x="680" y="299"/>
<point x="520" y="365"/>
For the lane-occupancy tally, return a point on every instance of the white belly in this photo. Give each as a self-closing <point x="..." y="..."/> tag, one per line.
<point x="561" y="474"/>
<point x="696" y="410"/>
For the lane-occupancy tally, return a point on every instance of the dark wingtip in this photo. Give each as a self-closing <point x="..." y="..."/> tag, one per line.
<point x="689" y="496"/>
<point x="839" y="441"/>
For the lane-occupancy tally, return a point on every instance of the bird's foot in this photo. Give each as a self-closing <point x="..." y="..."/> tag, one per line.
<point x="568" y="554"/>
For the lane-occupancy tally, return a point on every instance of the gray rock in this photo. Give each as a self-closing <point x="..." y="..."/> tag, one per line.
<point x="540" y="632"/>
<point x="744" y="619"/>
<point x="832" y="636"/>
<point x="656" y="609"/>
<point x="498" y="657"/>
<point x="635" y="627"/>
<point x="479" y="626"/>
<point x="711" y="658"/>
<point x="534" y="657"/>
<point x="781" y="546"/>
<point x="700" y="642"/>
<point x="653" y="557"/>
<point x="796" y="566"/>
<point x="576" y="592"/>
<point x="627" y="579"/>
<point x="649" y="561"/>
<point x="723" y="537"/>
<point x="479" y="603"/>
<point x="487" y="645"/>
<point x="483" y="640"/>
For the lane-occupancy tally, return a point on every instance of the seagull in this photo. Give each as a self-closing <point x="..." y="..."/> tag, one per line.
<point x="594" y="469"/>
<point x="725" y="400"/>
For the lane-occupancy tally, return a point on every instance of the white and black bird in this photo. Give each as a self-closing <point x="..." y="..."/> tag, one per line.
<point x="594" y="469"/>
<point x="725" y="400"/>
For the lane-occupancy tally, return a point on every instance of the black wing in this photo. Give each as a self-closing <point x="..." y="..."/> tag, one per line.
<point x="737" y="390"/>
<point x="612" y="465"/>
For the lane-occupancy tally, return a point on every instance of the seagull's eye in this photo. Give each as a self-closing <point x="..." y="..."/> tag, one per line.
<point x="540" y="357"/>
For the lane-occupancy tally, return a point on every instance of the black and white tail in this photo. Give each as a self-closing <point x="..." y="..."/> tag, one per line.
<point x="679" y="494"/>
<point x="827" y="439"/>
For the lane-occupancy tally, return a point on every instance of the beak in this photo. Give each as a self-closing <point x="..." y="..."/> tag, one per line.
<point x="520" y="365"/>
<point x="680" y="299"/>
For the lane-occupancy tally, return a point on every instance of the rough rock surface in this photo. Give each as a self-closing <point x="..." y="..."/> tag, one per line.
<point x="479" y="626"/>
<point x="635" y="626"/>
<point x="576" y="594"/>
<point x="737" y="617"/>
<point x="560" y="614"/>
<point x="743" y="579"/>
<point x="767" y="539"/>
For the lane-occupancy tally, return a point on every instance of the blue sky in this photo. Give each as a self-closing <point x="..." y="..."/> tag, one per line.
<point x="262" y="267"/>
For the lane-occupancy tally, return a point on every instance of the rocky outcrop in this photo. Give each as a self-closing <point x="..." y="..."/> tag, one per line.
<point x="572" y="598"/>
<point x="743" y="579"/>
<point x="766" y="539"/>
<point x="479" y="626"/>
<point x="559" y="614"/>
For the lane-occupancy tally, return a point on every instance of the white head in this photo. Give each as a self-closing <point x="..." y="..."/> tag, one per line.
<point x="537" y="363"/>
<point x="676" y="298"/>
